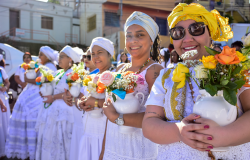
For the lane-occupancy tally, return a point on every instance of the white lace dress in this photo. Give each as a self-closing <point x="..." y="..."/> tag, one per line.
<point x="55" y="126"/>
<point x="132" y="146"/>
<point x="4" y="117"/>
<point x="21" y="140"/>
<point x="162" y="97"/>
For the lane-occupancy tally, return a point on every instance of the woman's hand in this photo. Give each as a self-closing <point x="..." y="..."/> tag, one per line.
<point x="49" y="99"/>
<point x="110" y="111"/>
<point x="67" y="97"/>
<point x="3" y="108"/>
<point x="87" y="104"/>
<point x="23" y="85"/>
<point x="189" y="136"/>
<point x="219" y="139"/>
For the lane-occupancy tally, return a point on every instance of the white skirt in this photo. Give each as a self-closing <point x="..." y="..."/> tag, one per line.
<point x="4" y="122"/>
<point x="21" y="140"/>
<point x="91" y="142"/>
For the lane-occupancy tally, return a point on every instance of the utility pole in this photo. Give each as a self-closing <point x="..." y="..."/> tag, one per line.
<point x="120" y="7"/>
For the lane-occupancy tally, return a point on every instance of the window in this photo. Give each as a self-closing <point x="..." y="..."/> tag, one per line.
<point x="2" y="52"/>
<point x="14" y="21"/>
<point x="112" y="19"/>
<point x="162" y="23"/>
<point x="91" y="23"/>
<point x="76" y="3"/>
<point x="47" y="22"/>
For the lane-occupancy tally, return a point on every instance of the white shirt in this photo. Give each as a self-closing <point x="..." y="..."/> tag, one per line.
<point x="20" y="72"/>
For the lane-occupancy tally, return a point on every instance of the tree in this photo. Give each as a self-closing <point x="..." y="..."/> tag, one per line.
<point x="54" y="1"/>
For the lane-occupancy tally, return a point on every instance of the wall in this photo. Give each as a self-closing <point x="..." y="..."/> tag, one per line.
<point x="30" y="19"/>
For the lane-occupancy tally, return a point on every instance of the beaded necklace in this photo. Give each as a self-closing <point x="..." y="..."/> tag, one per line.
<point x="56" y="84"/>
<point x="130" y="65"/>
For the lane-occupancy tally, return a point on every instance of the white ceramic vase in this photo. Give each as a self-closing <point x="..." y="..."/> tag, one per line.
<point x="215" y="108"/>
<point x="46" y="89"/>
<point x="97" y="112"/>
<point x="129" y="105"/>
<point x="31" y="74"/>
<point x="75" y="89"/>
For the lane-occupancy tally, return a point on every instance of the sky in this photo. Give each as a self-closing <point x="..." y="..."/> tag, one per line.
<point x="43" y="0"/>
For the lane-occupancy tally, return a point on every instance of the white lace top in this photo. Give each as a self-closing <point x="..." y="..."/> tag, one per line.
<point x="130" y="146"/>
<point x="162" y="97"/>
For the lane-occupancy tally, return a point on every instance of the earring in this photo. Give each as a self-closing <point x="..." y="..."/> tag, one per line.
<point x="69" y="63"/>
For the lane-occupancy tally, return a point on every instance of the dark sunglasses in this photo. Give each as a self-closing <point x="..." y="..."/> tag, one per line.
<point x="195" y="29"/>
<point x="87" y="56"/>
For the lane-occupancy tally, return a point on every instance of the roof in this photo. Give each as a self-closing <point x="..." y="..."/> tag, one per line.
<point x="165" y="5"/>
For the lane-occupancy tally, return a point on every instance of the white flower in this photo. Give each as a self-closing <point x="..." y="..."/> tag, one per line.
<point x="69" y="77"/>
<point x="246" y="40"/>
<point x="91" y="87"/>
<point x="32" y="64"/>
<point x="42" y="79"/>
<point x="200" y="71"/>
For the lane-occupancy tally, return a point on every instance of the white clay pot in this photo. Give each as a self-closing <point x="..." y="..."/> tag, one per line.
<point x="75" y="89"/>
<point x="31" y="74"/>
<point x="46" y="89"/>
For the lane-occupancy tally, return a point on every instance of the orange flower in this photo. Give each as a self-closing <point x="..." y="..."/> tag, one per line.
<point x="100" y="90"/>
<point x="25" y="66"/>
<point x="38" y="79"/>
<point x="75" y="76"/>
<point x="101" y="85"/>
<point x="128" y="72"/>
<point x="227" y="56"/>
<point x="131" y="90"/>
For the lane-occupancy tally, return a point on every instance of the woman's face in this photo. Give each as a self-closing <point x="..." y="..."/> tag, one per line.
<point x="218" y="49"/>
<point x="64" y="60"/>
<point x="123" y="58"/>
<point x="88" y="63"/>
<point x="138" y="42"/>
<point x="100" y="57"/>
<point x="43" y="58"/>
<point x="26" y="59"/>
<point x="174" y="57"/>
<point x="189" y="42"/>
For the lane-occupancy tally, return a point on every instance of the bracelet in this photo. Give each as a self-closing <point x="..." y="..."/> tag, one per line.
<point x="62" y="96"/>
<point x="96" y="103"/>
<point x="73" y="100"/>
<point x="77" y="105"/>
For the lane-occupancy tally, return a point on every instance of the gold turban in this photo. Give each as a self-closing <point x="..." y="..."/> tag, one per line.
<point x="218" y="25"/>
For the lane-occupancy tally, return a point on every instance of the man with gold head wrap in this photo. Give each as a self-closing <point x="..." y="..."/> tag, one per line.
<point x="169" y="118"/>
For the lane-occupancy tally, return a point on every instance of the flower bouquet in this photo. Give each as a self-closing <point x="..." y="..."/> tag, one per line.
<point x="31" y="69"/>
<point x="120" y="86"/>
<point x="218" y="77"/>
<point x="90" y="82"/>
<point x="45" y="80"/>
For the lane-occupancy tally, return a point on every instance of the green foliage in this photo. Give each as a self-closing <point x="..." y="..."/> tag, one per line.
<point x="54" y="1"/>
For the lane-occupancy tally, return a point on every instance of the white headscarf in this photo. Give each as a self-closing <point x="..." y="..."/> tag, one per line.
<point x="163" y="50"/>
<point x="1" y="57"/>
<point x="50" y="54"/>
<point x="144" y="21"/>
<point x="74" y="53"/>
<point x="104" y="43"/>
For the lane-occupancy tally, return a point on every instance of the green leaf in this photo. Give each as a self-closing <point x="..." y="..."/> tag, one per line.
<point x="230" y="96"/>
<point x="239" y="83"/>
<point x="224" y="82"/>
<point x="211" y="51"/>
<point x="236" y="70"/>
<point x="231" y="85"/>
<point x="114" y="97"/>
<point x="211" y="89"/>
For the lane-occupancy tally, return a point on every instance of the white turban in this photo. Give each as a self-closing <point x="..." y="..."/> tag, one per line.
<point x="74" y="53"/>
<point x="104" y="43"/>
<point x="163" y="50"/>
<point x="1" y="57"/>
<point x="50" y="54"/>
<point x="144" y="21"/>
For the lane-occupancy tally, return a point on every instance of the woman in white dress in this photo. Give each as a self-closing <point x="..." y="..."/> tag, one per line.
<point x="5" y="108"/>
<point x="21" y="140"/>
<point x="101" y="50"/>
<point x="163" y="123"/>
<point x="141" y="33"/>
<point x="56" y="121"/>
<point x="19" y="75"/>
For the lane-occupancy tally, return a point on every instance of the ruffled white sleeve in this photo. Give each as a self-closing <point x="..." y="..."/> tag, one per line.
<point x="157" y="93"/>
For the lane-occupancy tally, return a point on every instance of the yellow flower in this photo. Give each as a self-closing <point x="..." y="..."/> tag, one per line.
<point x="22" y="65"/>
<point x="50" y="77"/>
<point x="241" y="57"/>
<point x="209" y="62"/>
<point x="179" y="75"/>
<point x="86" y="81"/>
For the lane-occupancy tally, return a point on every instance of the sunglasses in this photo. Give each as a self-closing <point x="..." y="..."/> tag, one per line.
<point x="195" y="29"/>
<point x="87" y="56"/>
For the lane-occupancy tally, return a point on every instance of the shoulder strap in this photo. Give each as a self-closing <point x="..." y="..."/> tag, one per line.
<point x="151" y="65"/>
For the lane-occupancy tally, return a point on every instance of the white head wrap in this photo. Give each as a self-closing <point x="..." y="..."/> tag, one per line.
<point x="1" y="57"/>
<point x="104" y="43"/>
<point x="144" y="21"/>
<point x="74" y="53"/>
<point x="163" y="50"/>
<point x="50" y="54"/>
